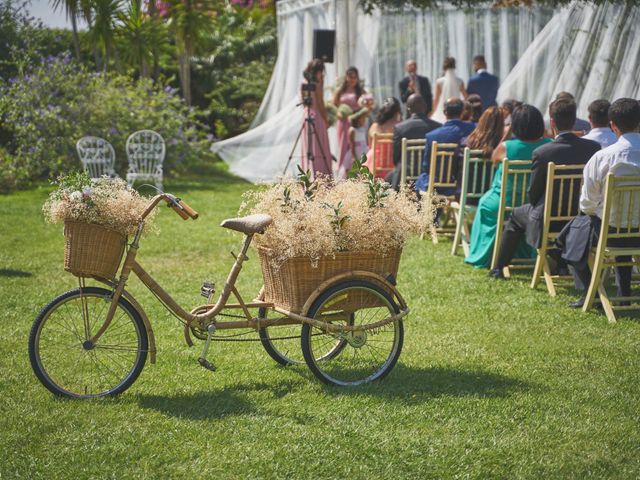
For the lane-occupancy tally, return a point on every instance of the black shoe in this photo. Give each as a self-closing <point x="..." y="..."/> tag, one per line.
<point x="497" y="274"/>
<point x="578" y="303"/>
<point x="563" y="272"/>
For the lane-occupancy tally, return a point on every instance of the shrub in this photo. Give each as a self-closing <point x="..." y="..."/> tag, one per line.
<point x="46" y="111"/>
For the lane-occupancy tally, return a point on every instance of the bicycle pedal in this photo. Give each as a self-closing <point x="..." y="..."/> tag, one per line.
<point x="208" y="289"/>
<point x="206" y="364"/>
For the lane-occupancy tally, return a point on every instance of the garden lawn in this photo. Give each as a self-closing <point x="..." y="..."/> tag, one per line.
<point x="495" y="380"/>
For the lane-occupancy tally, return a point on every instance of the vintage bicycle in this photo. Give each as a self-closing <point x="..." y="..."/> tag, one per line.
<point x="93" y="341"/>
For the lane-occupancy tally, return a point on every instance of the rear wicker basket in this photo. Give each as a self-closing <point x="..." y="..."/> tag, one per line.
<point x="92" y="250"/>
<point x="290" y="284"/>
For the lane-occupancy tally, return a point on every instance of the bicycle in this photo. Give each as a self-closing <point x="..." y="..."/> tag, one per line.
<point x="94" y="341"/>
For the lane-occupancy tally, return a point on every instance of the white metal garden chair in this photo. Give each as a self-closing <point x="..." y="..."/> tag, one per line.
<point x="97" y="156"/>
<point x="145" y="152"/>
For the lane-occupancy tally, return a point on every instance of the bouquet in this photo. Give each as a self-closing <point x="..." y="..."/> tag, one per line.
<point x="109" y="202"/>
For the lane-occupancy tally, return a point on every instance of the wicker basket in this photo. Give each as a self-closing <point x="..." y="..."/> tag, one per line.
<point x="92" y="250"/>
<point x="290" y="285"/>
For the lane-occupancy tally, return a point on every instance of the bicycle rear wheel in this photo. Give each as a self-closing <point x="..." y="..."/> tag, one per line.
<point x="364" y="356"/>
<point x="68" y="363"/>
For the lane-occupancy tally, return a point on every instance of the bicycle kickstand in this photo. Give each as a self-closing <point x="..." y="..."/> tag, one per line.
<point x="211" y="329"/>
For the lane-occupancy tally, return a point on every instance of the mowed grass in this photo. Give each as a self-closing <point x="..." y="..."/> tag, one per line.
<point x="495" y="380"/>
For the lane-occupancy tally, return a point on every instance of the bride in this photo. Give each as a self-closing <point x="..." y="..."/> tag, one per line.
<point x="447" y="86"/>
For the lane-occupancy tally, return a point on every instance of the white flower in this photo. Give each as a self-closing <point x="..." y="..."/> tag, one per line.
<point x="76" y="196"/>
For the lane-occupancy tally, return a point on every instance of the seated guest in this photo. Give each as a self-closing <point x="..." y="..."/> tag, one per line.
<point x="527" y="128"/>
<point x="581" y="127"/>
<point x="476" y="107"/>
<point x="486" y="137"/>
<point x="507" y="107"/>
<point x="599" y="120"/>
<point x="414" y="127"/>
<point x="483" y="83"/>
<point x="452" y="131"/>
<point x="567" y="149"/>
<point x="582" y="232"/>
<point x="387" y="118"/>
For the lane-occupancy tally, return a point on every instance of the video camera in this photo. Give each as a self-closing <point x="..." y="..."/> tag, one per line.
<point x="307" y="88"/>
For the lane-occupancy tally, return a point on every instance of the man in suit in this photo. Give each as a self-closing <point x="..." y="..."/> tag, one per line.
<point x="581" y="126"/>
<point x="483" y="83"/>
<point x="621" y="158"/>
<point x="414" y="83"/>
<point x="416" y="126"/>
<point x="566" y="149"/>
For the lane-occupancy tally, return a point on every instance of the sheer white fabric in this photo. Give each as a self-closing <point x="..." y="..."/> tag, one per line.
<point x="590" y="51"/>
<point x="449" y="86"/>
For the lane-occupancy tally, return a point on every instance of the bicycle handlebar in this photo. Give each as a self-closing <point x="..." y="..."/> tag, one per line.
<point x="177" y="205"/>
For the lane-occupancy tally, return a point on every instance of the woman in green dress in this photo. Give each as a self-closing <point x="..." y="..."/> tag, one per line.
<point x="527" y="129"/>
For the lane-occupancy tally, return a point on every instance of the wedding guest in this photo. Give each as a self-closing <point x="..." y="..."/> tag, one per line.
<point x="507" y="107"/>
<point x="316" y="158"/>
<point x="599" y="120"/>
<point x="486" y="137"/>
<point x="581" y="127"/>
<point x="414" y="127"/>
<point x="414" y="83"/>
<point x="474" y="106"/>
<point x="527" y="127"/>
<point x="483" y="83"/>
<point x="452" y="131"/>
<point x="623" y="157"/>
<point x="387" y="118"/>
<point x="526" y="221"/>
<point x="348" y="94"/>
<point x="357" y="141"/>
<point x="447" y="86"/>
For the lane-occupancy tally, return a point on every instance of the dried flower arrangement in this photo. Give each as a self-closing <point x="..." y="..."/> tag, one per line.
<point x="109" y="202"/>
<point x="322" y="217"/>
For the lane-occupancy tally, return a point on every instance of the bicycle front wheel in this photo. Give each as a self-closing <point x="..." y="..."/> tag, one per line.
<point x="68" y="363"/>
<point x="363" y="356"/>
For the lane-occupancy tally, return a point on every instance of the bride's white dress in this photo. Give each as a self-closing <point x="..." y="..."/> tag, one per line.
<point x="449" y="87"/>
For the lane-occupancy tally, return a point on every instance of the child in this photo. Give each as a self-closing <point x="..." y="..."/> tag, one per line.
<point x="357" y="140"/>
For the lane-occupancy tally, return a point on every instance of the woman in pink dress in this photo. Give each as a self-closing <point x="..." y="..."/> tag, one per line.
<point x="348" y="94"/>
<point x="320" y="161"/>
<point x="386" y="119"/>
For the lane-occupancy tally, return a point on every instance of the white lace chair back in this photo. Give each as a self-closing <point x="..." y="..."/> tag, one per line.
<point x="145" y="152"/>
<point x="97" y="156"/>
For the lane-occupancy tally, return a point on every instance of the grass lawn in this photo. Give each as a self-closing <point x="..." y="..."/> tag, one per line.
<point x="495" y="380"/>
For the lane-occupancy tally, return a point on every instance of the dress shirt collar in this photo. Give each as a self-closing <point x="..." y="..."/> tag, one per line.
<point x="631" y="138"/>
<point x="481" y="70"/>
<point x="562" y="134"/>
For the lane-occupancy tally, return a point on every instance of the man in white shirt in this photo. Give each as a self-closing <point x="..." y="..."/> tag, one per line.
<point x="599" y="120"/>
<point x="624" y="117"/>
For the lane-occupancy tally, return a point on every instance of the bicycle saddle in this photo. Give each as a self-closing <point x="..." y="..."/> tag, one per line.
<point x="248" y="225"/>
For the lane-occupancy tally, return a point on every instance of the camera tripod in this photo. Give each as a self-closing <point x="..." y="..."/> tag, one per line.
<point x="312" y="134"/>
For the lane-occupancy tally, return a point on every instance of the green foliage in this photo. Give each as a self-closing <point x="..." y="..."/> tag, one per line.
<point x="378" y="190"/>
<point x="309" y="186"/>
<point x="46" y="112"/>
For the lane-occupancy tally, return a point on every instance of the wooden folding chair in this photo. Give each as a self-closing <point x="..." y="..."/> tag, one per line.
<point x="477" y="175"/>
<point x="442" y="177"/>
<point x="516" y="175"/>
<point x="411" y="159"/>
<point x="382" y="151"/>
<point x="562" y="180"/>
<point x="620" y="220"/>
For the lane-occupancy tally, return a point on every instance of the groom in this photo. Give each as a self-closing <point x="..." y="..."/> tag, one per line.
<point x="483" y="83"/>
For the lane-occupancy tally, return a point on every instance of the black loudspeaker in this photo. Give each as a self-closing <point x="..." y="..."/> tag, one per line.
<point x="324" y="42"/>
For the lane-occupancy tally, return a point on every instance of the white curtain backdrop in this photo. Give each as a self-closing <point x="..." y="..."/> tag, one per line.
<point x="593" y="52"/>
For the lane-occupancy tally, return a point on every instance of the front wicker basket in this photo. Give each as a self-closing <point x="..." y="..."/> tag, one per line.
<point x="290" y="284"/>
<point x="92" y="250"/>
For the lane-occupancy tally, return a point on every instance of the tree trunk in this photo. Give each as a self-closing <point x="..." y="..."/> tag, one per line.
<point x="76" y="39"/>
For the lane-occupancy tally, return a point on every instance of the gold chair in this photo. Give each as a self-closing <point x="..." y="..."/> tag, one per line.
<point x="620" y="220"/>
<point x="411" y="159"/>
<point x="562" y="181"/>
<point x="382" y="151"/>
<point x="516" y="175"/>
<point x="442" y="171"/>
<point x="477" y="175"/>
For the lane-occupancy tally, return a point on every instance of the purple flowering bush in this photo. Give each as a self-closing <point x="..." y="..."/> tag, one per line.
<point x="44" y="113"/>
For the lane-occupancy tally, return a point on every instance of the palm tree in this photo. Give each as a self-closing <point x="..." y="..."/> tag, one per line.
<point x="72" y="9"/>
<point x="137" y="33"/>
<point x="103" y="25"/>
<point x="189" y="20"/>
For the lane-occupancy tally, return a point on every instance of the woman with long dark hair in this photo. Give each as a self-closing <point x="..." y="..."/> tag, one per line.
<point x="388" y="116"/>
<point x="527" y="128"/>
<point x="348" y="94"/>
<point x="319" y="148"/>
